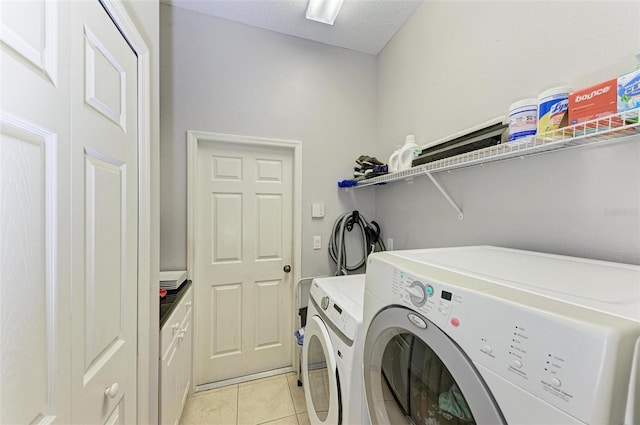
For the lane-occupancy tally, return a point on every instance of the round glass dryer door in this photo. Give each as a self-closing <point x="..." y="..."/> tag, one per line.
<point x="319" y="374"/>
<point x="415" y="374"/>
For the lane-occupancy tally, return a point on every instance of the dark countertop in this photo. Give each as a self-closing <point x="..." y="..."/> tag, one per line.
<point x="171" y="300"/>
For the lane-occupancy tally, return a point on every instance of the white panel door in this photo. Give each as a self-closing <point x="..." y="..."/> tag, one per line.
<point x="242" y="294"/>
<point x="34" y="254"/>
<point x="68" y="215"/>
<point x="104" y="213"/>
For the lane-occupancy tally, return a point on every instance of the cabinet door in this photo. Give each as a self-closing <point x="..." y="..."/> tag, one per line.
<point x="175" y="369"/>
<point x="168" y="376"/>
<point x="169" y="397"/>
<point x="186" y="359"/>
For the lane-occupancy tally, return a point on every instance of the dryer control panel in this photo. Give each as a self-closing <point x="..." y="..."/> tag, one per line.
<point x="334" y="313"/>
<point x="437" y="301"/>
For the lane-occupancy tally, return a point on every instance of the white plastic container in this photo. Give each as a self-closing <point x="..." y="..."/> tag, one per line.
<point x="408" y="152"/>
<point x="553" y="105"/>
<point x="393" y="161"/>
<point x="523" y="119"/>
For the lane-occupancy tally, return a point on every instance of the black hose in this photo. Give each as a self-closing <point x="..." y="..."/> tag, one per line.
<point x="370" y="238"/>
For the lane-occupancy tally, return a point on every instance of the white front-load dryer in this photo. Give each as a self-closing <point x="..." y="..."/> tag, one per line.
<point x="332" y="351"/>
<point x="500" y="336"/>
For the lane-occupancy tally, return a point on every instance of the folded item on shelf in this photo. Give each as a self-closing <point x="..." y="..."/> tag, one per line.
<point x="368" y="167"/>
<point x="380" y="169"/>
<point x="368" y="160"/>
<point x="372" y="175"/>
<point x="367" y="171"/>
<point x="375" y="171"/>
<point x="348" y="183"/>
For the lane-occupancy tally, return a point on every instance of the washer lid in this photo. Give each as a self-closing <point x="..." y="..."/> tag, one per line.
<point x="608" y="287"/>
<point x="346" y="291"/>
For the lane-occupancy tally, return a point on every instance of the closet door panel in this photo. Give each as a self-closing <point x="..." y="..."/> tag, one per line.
<point x="34" y="216"/>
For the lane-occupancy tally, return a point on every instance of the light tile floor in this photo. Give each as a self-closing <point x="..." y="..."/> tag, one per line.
<point x="276" y="400"/>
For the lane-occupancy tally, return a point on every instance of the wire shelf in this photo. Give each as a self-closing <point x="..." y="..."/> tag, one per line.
<point x="613" y="127"/>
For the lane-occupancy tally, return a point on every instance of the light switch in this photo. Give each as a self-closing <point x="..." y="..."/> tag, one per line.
<point x="317" y="210"/>
<point x="317" y="242"/>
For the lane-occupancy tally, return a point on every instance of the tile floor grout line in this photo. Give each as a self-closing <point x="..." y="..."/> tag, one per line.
<point x="293" y="401"/>
<point x="295" y="412"/>
<point x="237" y="402"/>
<point x="277" y="419"/>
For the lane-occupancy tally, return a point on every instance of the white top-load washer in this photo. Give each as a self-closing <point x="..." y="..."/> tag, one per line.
<point x="332" y="351"/>
<point x="493" y="335"/>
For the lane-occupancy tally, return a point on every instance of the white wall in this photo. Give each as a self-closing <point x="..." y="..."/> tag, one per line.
<point x="456" y="64"/>
<point x="224" y="77"/>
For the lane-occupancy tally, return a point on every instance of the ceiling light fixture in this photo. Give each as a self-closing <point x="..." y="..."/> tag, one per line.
<point x="324" y="11"/>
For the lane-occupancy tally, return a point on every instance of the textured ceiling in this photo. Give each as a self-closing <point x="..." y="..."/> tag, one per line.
<point x="362" y="25"/>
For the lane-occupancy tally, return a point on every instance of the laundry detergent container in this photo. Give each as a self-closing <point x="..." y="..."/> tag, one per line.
<point x="408" y="152"/>
<point x="393" y="161"/>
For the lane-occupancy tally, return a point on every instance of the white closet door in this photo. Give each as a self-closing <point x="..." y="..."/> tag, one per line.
<point x="68" y="215"/>
<point x="104" y="218"/>
<point x="34" y="176"/>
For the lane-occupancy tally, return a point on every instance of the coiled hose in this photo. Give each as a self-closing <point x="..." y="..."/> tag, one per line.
<point x="337" y="248"/>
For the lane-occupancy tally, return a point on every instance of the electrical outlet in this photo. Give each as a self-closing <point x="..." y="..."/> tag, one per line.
<point x="317" y="242"/>
<point x="389" y="244"/>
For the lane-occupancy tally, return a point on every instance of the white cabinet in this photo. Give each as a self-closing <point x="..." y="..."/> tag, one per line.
<point x="175" y="360"/>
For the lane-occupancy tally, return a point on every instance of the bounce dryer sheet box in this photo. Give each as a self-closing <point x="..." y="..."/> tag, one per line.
<point x="594" y="102"/>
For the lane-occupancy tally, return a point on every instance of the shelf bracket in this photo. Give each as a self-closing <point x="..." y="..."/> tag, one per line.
<point x="445" y="194"/>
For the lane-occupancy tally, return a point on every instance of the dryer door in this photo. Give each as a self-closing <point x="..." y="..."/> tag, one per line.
<point x="415" y="374"/>
<point x="320" y="374"/>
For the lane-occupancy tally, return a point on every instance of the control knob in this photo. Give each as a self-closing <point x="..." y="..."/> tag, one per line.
<point x="324" y="303"/>
<point x="417" y="293"/>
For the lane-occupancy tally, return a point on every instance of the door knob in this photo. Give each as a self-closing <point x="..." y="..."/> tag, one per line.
<point x="287" y="268"/>
<point x="112" y="390"/>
